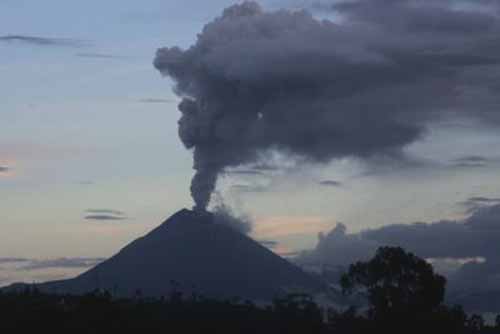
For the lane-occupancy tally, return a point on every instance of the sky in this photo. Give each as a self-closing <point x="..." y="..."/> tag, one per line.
<point x="90" y="155"/>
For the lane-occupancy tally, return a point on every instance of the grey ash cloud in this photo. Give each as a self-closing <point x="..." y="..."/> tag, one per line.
<point x="43" y="41"/>
<point x="224" y="215"/>
<point x="104" y="215"/>
<point x="257" y="82"/>
<point x="330" y="183"/>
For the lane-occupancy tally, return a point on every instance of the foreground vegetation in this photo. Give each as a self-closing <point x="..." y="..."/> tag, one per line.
<point x="404" y="296"/>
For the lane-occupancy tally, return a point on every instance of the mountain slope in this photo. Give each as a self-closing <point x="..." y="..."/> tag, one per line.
<point x="191" y="253"/>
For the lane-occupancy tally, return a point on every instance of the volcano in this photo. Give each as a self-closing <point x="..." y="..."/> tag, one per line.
<point x="192" y="253"/>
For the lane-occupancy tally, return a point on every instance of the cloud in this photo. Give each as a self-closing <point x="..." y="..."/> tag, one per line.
<point x="62" y="263"/>
<point x="4" y="169"/>
<point x="471" y="161"/>
<point x="486" y="273"/>
<point x="275" y="227"/>
<point x="249" y="188"/>
<point x="365" y="86"/>
<point x="43" y="41"/>
<point x="157" y="100"/>
<point x="106" y="211"/>
<point x="104" y="215"/>
<point x="9" y="260"/>
<point x="224" y="215"/>
<point x="486" y="218"/>
<point x="466" y="249"/>
<point x="268" y="243"/>
<point x="330" y="183"/>
<point x="264" y="167"/>
<point x="249" y="172"/>
<point x="472" y="204"/>
<point x="98" y="55"/>
<point x="337" y="248"/>
<point x="278" y="248"/>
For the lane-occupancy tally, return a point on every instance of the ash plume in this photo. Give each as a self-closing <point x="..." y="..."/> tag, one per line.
<point x="256" y="82"/>
<point x="224" y="215"/>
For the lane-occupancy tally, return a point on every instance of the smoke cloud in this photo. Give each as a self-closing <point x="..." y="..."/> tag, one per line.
<point x="224" y="215"/>
<point x="257" y="82"/>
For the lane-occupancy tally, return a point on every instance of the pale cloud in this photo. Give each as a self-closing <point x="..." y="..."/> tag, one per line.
<point x="283" y="226"/>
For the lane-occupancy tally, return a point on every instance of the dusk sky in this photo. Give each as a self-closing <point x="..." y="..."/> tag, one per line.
<point x="90" y="155"/>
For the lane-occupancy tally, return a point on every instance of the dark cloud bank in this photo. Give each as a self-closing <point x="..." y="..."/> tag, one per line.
<point x="256" y="81"/>
<point x="470" y="247"/>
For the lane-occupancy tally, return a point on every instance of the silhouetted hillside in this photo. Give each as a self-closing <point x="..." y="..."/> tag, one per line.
<point x="192" y="253"/>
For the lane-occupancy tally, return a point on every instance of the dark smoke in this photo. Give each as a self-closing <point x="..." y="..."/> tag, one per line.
<point x="255" y="82"/>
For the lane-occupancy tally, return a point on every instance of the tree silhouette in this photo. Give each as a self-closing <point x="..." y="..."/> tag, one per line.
<point x="475" y="323"/>
<point x="395" y="281"/>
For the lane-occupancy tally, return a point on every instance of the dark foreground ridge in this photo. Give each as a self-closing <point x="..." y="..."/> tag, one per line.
<point x="191" y="253"/>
